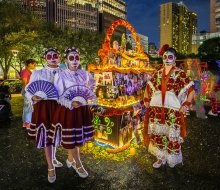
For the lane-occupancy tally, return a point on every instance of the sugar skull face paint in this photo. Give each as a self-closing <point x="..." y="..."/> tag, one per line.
<point x="53" y="58"/>
<point x="168" y="58"/>
<point x="73" y="60"/>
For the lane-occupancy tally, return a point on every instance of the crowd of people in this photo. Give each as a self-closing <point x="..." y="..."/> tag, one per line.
<point x="54" y="114"/>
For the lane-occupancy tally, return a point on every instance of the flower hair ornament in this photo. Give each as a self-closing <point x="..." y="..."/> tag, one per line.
<point x="48" y="50"/>
<point x="72" y="49"/>
<point x="163" y="49"/>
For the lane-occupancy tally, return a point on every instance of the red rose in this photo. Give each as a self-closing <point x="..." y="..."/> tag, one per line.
<point x="158" y="110"/>
<point x="158" y="140"/>
<point x="170" y="145"/>
<point x="183" y="75"/>
<point x="168" y="87"/>
<point x="152" y="114"/>
<point x="177" y="146"/>
<point x="178" y="121"/>
<point x="177" y="114"/>
<point x="161" y="146"/>
<point x="171" y="80"/>
<point x="158" y="116"/>
<point x="159" y="87"/>
<point x="187" y="80"/>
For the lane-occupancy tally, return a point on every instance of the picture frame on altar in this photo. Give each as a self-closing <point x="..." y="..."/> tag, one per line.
<point x="111" y="58"/>
<point x="101" y="134"/>
<point x="101" y="92"/>
<point x="112" y="92"/>
<point x="117" y="78"/>
<point x="107" y="78"/>
<point x="130" y="87"/>
<point x="98" y="77"/>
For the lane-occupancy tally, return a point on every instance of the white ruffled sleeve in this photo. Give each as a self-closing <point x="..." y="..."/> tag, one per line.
<point x="59" y="84"/>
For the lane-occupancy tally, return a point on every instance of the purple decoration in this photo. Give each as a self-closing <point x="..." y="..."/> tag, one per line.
<point x="47" y="87"/>
<point x="81" y="91"/>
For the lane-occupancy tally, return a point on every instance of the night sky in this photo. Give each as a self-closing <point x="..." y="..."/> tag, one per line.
<point x="144" y="15"/>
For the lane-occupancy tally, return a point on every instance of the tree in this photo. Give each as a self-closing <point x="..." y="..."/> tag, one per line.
<point x="15" y="32"/>
<point x="31" y="35"/>
<point x="210" y="49"/>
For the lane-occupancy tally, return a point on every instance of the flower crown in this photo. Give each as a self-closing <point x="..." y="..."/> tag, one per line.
<point x="48" y="50"/>
<point x="72" y="49"/>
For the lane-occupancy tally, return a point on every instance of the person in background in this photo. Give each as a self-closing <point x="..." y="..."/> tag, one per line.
<point x="30" y="65"/>
<point x="192" y="69"/>
<point x="5" y="89"/>
<point x="214" y="95"/>
<point x="167" y="96"/>
<point x="4" y="109"/>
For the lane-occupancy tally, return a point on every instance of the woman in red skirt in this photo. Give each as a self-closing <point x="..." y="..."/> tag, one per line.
<point x="41" y="91"/>
<point x="72" y="124"/>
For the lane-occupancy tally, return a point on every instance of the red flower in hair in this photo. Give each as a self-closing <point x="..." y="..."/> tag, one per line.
<point x="163" y="49"/>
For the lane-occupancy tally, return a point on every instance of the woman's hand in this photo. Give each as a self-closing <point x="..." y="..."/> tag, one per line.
<point x="36" y="98"/>
<point x="183" y="109"/>
<point x="76" y="104"/>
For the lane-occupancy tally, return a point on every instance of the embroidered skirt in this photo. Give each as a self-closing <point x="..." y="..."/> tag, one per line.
<point x="41" y="122"/>
<point x="72" y="128"/>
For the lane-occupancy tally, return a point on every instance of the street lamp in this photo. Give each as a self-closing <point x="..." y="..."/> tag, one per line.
<point x="15" y="54"/>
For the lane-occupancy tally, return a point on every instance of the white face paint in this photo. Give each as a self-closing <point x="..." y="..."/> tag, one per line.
<point x="73" y="60"/>
<point x="53" y="58"/>
<point x="169" y="58"/>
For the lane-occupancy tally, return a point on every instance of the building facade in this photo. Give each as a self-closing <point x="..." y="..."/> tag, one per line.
<point x="152" y="49"/>
<point x="110" y="11"/>
<point x="78" y="14"/>
<point x="198" y="39"/>
<point x="143" y="40"/>
<point x="93" y="15"/>
<point x="177" y="25"/>
<point x="214" y="16"/>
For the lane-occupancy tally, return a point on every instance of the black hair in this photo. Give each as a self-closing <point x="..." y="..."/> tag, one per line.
<point x="29" y="61"/>
<point x="172" y="50"/>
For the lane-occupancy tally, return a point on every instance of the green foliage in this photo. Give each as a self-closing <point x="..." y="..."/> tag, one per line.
<point x="210" y="49"/>
<point x="15" y="86"/>
<point x="31" y="35"/>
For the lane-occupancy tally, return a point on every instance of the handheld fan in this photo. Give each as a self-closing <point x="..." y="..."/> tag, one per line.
<point x="80" y="93"/>
<point x="44" y="89"/>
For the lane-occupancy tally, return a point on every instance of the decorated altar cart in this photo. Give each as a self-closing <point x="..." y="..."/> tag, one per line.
<point x="121" y="77"/>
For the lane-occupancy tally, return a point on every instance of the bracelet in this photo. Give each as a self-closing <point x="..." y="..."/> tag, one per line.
<point x="146" y="100"/>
